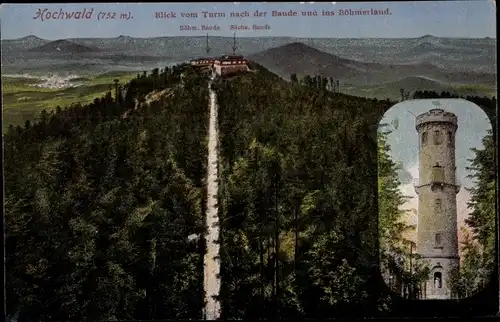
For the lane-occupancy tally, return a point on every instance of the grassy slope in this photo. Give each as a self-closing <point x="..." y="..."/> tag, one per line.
<point x="22" y="102"/>
<point x="411" y="84"/>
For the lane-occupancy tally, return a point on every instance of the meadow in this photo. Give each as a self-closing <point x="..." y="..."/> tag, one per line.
<point x="392" y="90"/>
<point x="23" y="99"/>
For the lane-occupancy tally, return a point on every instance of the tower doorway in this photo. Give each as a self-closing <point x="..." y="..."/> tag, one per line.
<point x="438" y="280"/>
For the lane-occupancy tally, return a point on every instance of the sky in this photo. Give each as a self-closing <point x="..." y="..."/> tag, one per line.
<point x="473" y="125"/>
<point x="464" y="19"/>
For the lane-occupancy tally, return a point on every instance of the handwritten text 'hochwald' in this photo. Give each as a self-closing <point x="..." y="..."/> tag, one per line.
<point x="85" y="14"/>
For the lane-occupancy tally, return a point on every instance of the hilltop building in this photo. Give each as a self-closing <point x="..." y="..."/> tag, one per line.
<point x="230" y="64"/>
<point x="203" y="62"/>
<point x="437" y="240"/>
<point x="224" y="65"/>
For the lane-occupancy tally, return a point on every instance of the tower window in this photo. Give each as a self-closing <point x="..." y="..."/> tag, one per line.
<point x="438" y="139"/>
<point x="450" y="138"/>
<point x="438" y="239"/>
<point x="437" y="174"/>
<point x="438" y="280"/>
<point x="437" y="205"/>
<point x="424" y="137"/>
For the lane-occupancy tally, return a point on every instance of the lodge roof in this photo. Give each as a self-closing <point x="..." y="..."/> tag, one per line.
<point x="232" y="57"/>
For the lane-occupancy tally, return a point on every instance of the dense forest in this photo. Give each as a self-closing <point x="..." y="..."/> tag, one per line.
<point x="299" y="201"/>
<point x="100" y="201"/>
<point x="299" y="174"/>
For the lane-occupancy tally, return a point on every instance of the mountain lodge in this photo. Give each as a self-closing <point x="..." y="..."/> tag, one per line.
<point x="224" y="65"/>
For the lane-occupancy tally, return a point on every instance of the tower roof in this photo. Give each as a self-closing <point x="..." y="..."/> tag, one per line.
<point x="436" y="116"/>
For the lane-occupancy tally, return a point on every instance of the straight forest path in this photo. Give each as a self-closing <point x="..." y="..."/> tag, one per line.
<point x="211" y="262"/>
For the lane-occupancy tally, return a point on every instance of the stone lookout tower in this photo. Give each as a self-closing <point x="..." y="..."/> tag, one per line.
<point x="437" y="240"/>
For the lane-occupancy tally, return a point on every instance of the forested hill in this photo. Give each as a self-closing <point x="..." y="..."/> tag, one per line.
<point x="297" y="162"/>
<point x="298" y="200"/>
<point x="101" y="199"/>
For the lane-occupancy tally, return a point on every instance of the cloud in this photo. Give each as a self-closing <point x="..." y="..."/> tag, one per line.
<point x="404" y="176"/>
<point x="407" y="177"/>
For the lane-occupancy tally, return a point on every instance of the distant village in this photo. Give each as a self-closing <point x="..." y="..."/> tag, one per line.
<point x="50" y="81"/>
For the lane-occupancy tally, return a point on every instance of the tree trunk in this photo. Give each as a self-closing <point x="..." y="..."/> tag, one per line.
<point x="269" y="254"/>
<point x="261" y="259"/>
<point x="296" y="246"/>
<point x="296" y="251"/>
<point x="277" y="248"/>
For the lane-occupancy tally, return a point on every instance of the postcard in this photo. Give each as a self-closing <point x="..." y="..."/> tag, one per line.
<point x="253" y="160"/>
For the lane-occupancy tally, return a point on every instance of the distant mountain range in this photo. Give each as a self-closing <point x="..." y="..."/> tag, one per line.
<point x="300" y="59"/>
<point x="368" y="49"/>
<point x="374" y="66"/>
<point x="64" y="46"/>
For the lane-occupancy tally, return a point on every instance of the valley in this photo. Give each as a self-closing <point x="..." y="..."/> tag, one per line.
<point x="25" y="95"/>
<point x="38" y="73"/>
